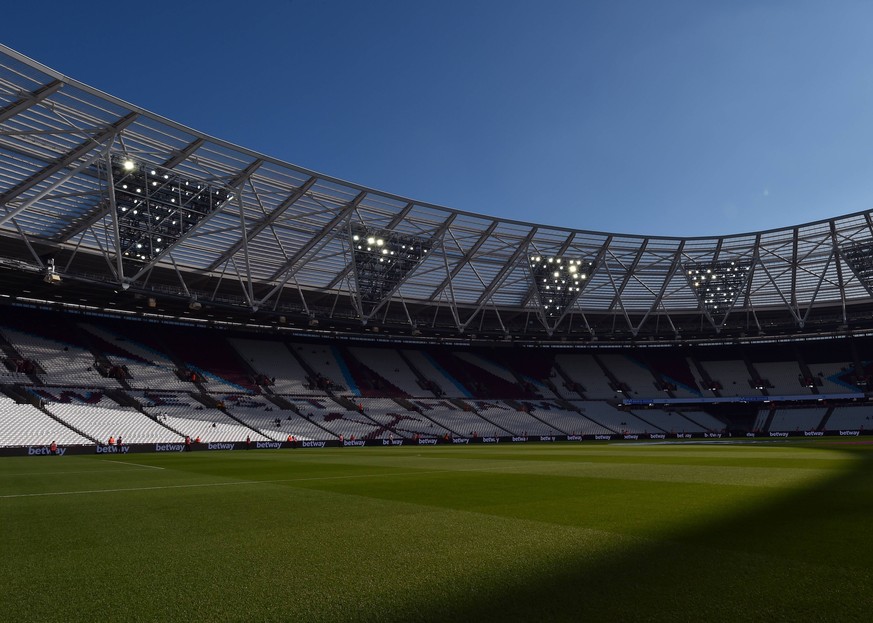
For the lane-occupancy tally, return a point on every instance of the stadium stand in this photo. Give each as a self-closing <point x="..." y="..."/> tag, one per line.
<point x="275" y="301"/>
<point x="25" y="425"/>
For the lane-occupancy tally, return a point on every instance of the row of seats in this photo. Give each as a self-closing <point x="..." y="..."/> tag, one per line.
<point x="297" y="369"/>
<point x="170" y="416"/>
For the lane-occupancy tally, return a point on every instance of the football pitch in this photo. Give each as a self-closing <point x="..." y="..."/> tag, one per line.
<point x="534" y="532"/>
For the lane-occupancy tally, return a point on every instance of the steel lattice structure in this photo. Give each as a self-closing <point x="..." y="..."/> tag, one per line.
<point x="274" y="240"/>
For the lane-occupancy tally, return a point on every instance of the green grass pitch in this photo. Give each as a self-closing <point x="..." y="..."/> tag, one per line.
<point x="537" y="532"/>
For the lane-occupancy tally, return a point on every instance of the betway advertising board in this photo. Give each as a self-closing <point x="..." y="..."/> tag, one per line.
<point x="104" y="449"/>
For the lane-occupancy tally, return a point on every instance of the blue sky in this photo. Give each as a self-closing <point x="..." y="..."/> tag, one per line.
<point x="666" y="118"/>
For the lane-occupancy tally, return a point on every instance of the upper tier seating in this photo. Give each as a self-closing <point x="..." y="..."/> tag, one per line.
<point x="583" y="369"/>
<point x="432" y="371"/>
<point x="784" y="376"/>
<point x="732" y="375"/>
<point x="324" y="362"/>
<point x="63" y="363"/>
<point x="389" y="365"/>
<point x="275" y="361"/>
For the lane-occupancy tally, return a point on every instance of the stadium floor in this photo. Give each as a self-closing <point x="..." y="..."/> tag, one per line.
<point x="668" y="532"/>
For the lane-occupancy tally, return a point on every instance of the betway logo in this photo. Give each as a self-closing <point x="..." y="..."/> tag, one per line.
<point x="427" y="442"/>
<point x="574" y="437"/>
<point x="813" y="433"/>
<point x="706" y="435"/>
<point x="313" y="444"/>
<point x="849" y="433"/>
<point x="519" y="439"/>
<point x="220" y="446"/>
<point x="461" y="440"/>
<point x="354" y="442"/>
<point x="169" y="447"/>
<point x="392" y="442"/>
<point x="688" y="435"/>
<point x="602" y="437"/>
<point x="778" y="434"/>
<point x="657" y="436"/>
<point x="546" y="438"/>
<point x="268" y="444"/>
<point x="112" y="449"/>
<point x="750" y="434"/>
<point x="631" y="436"/>
<point x="490" y="439"/>
<point x="32" y="451"/>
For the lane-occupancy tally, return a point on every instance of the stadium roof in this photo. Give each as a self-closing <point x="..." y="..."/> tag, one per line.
<point x="264" y="238"/>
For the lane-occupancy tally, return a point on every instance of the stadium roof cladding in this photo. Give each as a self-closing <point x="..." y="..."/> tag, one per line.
<point x="105" y="200"/>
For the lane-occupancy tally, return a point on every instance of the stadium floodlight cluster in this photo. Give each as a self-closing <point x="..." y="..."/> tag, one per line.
<point x="559" y="281"/>
<point x="383" y="259"/>
<point x="157" y="206"/>
<point x="717" y="285"/>
<point x="859" y="257"/>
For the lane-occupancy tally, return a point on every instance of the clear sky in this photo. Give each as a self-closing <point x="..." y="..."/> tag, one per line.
<point x="655" y="117"/>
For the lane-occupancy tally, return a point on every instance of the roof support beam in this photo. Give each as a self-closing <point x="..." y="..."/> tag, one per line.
<point x="62" y="163"/>
<point x="183" y="154"/>
<point x="498" y="279"/>
<point x="463" y="261"/>
<point x="325" y="230"/>
<point x="674" y="266"/>
<point x="29" y="100"/>
<point x="290" y="267"/>
<point x="841" y="283"/>
<point x="45" y="191"/>
<point x="794" y="265"/>
<point x="261" y="225"/>
<point x="628" y="275"/>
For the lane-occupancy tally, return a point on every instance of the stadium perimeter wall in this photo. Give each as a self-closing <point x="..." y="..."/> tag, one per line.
<point x="347" y="443"/>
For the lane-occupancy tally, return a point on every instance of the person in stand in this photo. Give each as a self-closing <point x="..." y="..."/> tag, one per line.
<point x="248" y="442"/>
<point x="111" y="440"/>
<point x="53" y="448"/>
<point x="187" y="443"/>
<point x="118" y="441"/>
<point x="197" y="439"/>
